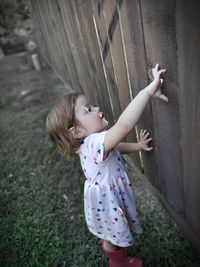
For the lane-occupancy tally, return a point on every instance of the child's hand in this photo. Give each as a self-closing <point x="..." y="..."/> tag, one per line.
<point x="157" y="79"/>
<point x="144" y="140"/>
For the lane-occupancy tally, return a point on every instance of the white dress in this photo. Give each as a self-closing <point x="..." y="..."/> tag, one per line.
<point x="109" y="203"/>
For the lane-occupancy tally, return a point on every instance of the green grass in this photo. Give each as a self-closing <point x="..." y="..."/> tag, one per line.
<point x="41" y="193"/>
<point x="39" y="227"/>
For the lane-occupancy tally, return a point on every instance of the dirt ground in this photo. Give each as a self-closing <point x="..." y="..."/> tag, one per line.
<point x="41" y="207"/>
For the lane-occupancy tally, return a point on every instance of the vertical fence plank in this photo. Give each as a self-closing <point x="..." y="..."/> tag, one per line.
<point x="49" y="16"/>
<point x="131" y="23"/>
<point x="188" y="40"/>
<point x="56" y="27"/>
<point x="97" y="7"/>
<point x="160" y="45"/>
<point x="43" y="22"/>
<point x="38" y="33"/>
<point x="92" y="54"/>
<point x="111" y="17"/>
<point x="70" y="23"/>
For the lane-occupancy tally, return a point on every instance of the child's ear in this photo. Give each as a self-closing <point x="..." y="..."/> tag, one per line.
<point x="77" y="132"/>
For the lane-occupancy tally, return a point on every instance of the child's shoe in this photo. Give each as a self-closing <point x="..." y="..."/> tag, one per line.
<point x="118" y="258"/>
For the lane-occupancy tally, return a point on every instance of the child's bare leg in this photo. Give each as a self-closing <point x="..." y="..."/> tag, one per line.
<point x="108" y="246"/>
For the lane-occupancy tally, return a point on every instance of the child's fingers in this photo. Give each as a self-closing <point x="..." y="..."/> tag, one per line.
<point x="146" y="135"/>
<point x="155" y="70"/>
<point x="142" y="133"/>
<point x="157" y="67"/>
<point x="145" y="142"/>
<point x="149" y="148"/>
<point x="148" y="140"/>
<point x="164" y="98"/>
<point x="162" y="71"/>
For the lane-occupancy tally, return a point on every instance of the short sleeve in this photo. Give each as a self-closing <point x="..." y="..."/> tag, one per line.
<point x="95" y="146"/>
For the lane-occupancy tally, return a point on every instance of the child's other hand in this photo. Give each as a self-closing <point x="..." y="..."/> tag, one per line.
<point x="157" y="76"/>
<point x="144" y="140"/>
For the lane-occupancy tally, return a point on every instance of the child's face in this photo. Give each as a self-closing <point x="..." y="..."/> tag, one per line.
<point x="91" y="119"/>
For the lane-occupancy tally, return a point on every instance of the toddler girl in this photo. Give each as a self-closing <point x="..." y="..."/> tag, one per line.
<point x="77" y="127"/>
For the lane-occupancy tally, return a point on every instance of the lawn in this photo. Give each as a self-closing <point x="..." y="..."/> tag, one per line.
<point x="41" y="193"/>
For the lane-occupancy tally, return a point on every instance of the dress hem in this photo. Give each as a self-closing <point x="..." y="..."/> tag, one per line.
<point x="114" y="242"/>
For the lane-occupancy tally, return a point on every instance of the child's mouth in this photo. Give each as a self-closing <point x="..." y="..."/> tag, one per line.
<point x="102" y="116"/>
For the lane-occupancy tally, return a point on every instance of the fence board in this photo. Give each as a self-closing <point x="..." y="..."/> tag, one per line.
<point x="136" y="60"/>
<point x="69" y="22"/>
<point x="104" y="42"/>
<point x="188" y="40"/>
<point x="159" y="24"/>
<point x="111" y="17"/>
<point x="38" y="34"/>
<point x="53" y="32"/>
<point x="92" y="53"/>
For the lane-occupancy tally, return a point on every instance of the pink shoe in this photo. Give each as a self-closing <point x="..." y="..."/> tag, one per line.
<point x="118" y="258"/>
<point x="133" y="262"/>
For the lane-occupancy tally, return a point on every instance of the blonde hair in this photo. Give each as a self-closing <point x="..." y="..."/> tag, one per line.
<point x="59" y="120"/>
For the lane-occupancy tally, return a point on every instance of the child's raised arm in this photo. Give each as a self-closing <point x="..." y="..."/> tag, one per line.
<point x="133" y="111"/>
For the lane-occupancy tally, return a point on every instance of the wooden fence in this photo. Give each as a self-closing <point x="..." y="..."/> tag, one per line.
<point x="105" y="48"/>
